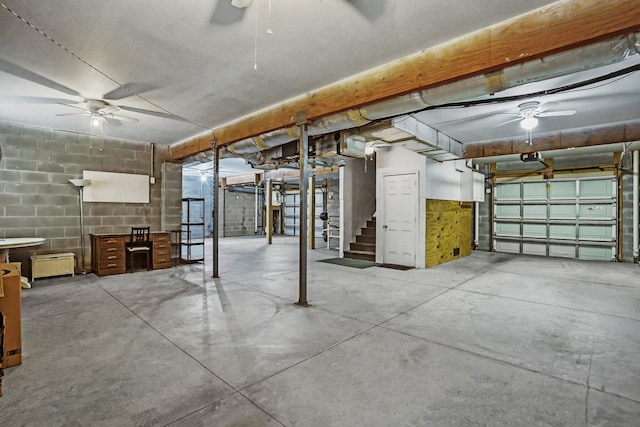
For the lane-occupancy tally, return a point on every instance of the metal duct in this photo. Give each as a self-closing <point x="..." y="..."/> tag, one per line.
<point x="279" y="137"/>
<point x="580" y="59"/>
<point x="337" y="122"/>
<point x="563" y="63"/>
<point x="244" y="146"/>
<point x="584" y="58"/>
<point x="393" y="107"/>
<point x="462" y="89"/>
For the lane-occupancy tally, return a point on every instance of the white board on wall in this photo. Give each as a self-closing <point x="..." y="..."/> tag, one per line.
<point x="116" y="187"/>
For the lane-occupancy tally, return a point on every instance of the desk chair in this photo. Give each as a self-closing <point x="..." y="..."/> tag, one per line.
<point x="139" y="243"/>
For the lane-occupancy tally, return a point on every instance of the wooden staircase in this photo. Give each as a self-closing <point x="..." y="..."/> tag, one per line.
<point x="364" y="247"/>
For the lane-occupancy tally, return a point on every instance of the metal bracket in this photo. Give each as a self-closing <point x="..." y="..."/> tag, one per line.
<point x="301" y="118"/>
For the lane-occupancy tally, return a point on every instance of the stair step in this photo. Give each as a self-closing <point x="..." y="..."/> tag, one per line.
<point x="368" y="231"/>
<point x="360" y="246"/>
<point x="371" y="223"/>
<point x="363" y="255"/>
<point x="360" y="238"/>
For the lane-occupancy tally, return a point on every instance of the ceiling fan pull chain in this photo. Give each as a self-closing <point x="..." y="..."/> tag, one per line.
<point x="269" y="30"/>
<point x="255" y="40"/>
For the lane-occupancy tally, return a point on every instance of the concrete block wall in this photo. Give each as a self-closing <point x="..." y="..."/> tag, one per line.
<point x="36" y="199"/>
<point x="626" y="221"/>
<point x="239" y="213"/>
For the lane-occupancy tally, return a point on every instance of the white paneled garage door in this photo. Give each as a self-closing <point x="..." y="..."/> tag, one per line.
<point x="571" y="218"/>
<point x="292" y="213"/>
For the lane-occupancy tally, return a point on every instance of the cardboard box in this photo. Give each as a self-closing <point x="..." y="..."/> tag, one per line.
<point x="10" y="307"/>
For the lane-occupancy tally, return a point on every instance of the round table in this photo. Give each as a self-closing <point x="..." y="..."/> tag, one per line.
<point x="18" y="242"/>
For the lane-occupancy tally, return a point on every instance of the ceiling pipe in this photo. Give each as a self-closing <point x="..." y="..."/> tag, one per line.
<point x="580" y="59"/>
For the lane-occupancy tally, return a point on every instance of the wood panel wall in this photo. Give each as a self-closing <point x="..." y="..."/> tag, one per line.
<point x="449" y="232"/>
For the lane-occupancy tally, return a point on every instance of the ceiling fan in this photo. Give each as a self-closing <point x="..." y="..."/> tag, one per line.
<point x="100" y="111"/>
<point x="529" y="112"/>
<point x="231" y="11"/>
<point x="97" y="106"/>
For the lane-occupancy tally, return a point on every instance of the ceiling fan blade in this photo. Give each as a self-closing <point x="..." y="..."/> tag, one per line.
<point x="23" y="73"/>
<point x="73" y="106"/>
<point x="35" y="99"/>
<point x="120" y="118"/>
<point x="558" y="113"/>
<point x="546" y="106"/>
<point x="109" y="109"/>
<point x="508" y="121"/>
<point x="226" y="14"/>
<point x="112" y="122"/>
<point x="153" y="113"/>
<point x="86" y="113"/>
<point x="370" y="9"/>
<point x="475" y="117"/>
<point x="128" y="89"/>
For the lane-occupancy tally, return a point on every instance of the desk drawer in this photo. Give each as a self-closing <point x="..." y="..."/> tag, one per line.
<point x="161" y="246"/>
<point x="111" y="257"/>
<point x="161" y="257"/>
<point x="108" y="256"/>
<point x="111" y="264"/>
<point x="110" y="242"/>
<point x="160" y="238"/>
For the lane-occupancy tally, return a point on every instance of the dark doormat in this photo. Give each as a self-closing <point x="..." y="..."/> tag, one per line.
<point x="349" y="262"/>
<point x="396" y="266"/>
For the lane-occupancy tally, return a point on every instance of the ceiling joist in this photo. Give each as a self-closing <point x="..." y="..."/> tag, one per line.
<point x="563" y="25"/>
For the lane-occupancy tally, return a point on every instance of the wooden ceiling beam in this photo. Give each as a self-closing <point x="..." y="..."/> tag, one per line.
<point x="583" y="137"/>
<point x="559" y="26"/>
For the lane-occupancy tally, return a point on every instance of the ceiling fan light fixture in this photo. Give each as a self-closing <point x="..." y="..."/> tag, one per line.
<point x="95" y="120"/>
<point x="241" y="3"/>
<point x="529" y="123"/>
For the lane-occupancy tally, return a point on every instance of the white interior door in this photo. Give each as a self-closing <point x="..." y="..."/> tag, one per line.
<point x="400" y="220"/>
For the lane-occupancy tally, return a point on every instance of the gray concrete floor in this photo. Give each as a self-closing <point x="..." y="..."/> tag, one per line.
<point x="490" y="339"/>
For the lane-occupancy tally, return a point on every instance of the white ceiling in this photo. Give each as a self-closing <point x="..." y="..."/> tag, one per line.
<point x="182" y="62"/>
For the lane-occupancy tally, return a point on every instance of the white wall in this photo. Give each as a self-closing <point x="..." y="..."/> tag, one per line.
<point x="452" y="180"/>
<point x="398" y="160"/>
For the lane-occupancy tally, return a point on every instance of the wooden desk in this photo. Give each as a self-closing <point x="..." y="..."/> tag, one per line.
<point x="108" y="252"/>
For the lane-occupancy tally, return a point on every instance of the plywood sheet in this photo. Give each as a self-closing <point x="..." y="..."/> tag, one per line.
<point x="448" y="231"/>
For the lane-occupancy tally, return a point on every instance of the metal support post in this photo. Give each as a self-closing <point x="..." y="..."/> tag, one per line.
<point x="301" y="121"/>
<point x="269" y="222"/>
<point x="214" y="213"/>
<point x="312" y="211"/>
